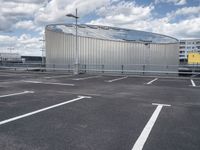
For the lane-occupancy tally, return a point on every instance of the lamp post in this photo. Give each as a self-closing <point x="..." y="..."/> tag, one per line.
<point x="43" y="50"/>
<point x="76" y="68"/>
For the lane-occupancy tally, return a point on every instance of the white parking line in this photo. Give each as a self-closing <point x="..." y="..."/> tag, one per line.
<point x="14" y="94"/>
<point x="61" y="76"/>
<point x="77" y="93"/>
<point x="117" y="79"/>
<point x="147" y="129"/>
<point x="150" y="82"/>
<point x="41" y="110"/>
<point x="77" y="79"/>
<point x="38" y="82"/>
<point x="193" y="84"/>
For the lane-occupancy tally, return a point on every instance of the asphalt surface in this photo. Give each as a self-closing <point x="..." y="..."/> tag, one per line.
<point x="112" y="119"/>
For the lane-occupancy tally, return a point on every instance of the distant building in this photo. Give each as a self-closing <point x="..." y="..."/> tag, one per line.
<point x="31" y="59"/>
<point x="186" y="46"/>
<point x="10" y="58"/>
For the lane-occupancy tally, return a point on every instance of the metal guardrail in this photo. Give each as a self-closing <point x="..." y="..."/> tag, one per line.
<point x="141" y="69"/>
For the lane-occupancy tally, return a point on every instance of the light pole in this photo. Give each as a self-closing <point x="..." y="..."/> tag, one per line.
<point x="76" y="68"/>
<point x="43" y="50"/>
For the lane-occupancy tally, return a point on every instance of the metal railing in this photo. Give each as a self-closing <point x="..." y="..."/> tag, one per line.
<point x="139" y="69"/>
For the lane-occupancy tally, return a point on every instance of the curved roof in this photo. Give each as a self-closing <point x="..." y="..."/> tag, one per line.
<point x="111" y="33"/>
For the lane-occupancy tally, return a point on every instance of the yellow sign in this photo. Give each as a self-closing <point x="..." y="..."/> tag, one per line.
<point x="193" y="58"/>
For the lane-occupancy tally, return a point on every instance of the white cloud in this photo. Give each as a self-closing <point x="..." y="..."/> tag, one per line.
<point x="188" y="11"/>
<point x="28" y="25"/>
<point x="183" y="29"/>
<point x="129" y="15"/>
<point x="24" y="44"/>
<point x="26" y="1"/>
<point x="181" y="2"/>
<point x="13" y="8"/>
<point x="4" y="39"/>
<point x="176" y="2"/>
<point x="12" y="12"/>
<point x="122" y="13"/>
<point x="56" y="10"/>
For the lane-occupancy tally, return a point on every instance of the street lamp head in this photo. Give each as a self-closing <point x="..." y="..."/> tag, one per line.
<point x="71" y="15"/>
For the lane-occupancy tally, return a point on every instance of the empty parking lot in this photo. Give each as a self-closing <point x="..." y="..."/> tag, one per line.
<point x="48" y="111"/>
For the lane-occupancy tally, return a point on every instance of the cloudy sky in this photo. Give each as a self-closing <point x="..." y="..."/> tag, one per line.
<point x="22" y="22"/>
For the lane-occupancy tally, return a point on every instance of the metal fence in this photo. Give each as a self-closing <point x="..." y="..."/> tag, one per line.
<point x="130" y="69"/>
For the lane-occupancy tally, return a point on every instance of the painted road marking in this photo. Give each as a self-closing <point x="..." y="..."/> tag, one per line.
<point x="41" y="110"/>
<point x="117" y="79"/>
<point x="61" y="76"/>
<point x="193" y="84"/>
<point x="38" y="82"/>
<point x="150" y="82"/>
<point x="76" y="93"/>
<point x="147" y="129"/>
<point x="77" y="79"/>
<point x="14" y="94"/>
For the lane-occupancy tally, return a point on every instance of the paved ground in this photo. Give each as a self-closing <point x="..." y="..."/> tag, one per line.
<point x="45" y="112"/>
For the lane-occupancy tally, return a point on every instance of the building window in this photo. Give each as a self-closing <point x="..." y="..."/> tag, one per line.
<point x="182" y="47"/>
<point x="182" y="43"/>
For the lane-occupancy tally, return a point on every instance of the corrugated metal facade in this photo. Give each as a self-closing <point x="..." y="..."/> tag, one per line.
<point x="110" y="55"/>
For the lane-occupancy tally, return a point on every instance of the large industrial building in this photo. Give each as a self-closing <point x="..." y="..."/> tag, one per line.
<point x="110" y="49"/>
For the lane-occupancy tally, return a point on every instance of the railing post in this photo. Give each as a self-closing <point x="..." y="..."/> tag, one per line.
<point x="122" y="69"/>
<point x="143" y="68"/>
<point x="68" y="67"/>
<point x="53" y="67"/>
<point x="167" y="68"/>
<point x="41" y="67"/>
<point x="102" y="68"/>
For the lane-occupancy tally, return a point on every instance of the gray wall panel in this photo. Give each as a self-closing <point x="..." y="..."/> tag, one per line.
<point x="60" y="49"/>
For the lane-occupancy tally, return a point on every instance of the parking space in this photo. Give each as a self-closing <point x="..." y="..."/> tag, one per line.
<point x="176" y="128"/>
<point x="87" y="124"/>
<point x="129" y="80"/>
<point x="173" y="82"/>
<point x="21" y="104"/>
<point x="44" y="111"/>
